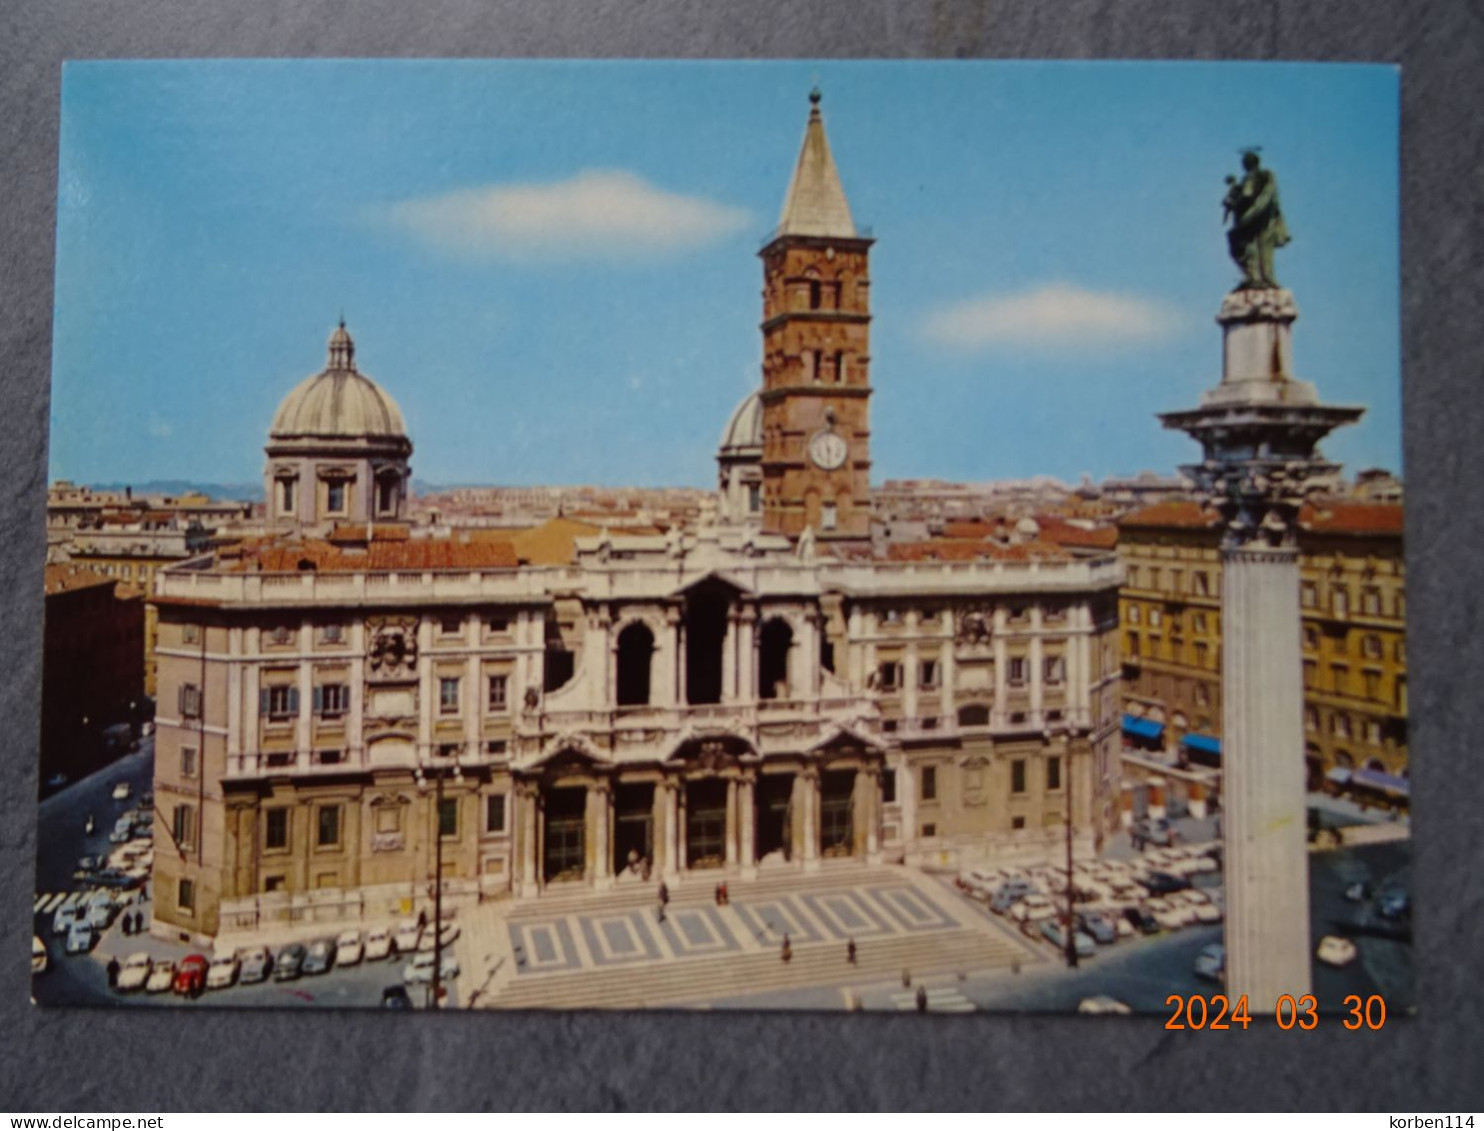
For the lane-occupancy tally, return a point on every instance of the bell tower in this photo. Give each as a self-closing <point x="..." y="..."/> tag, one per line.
<point x="816" y="392"/>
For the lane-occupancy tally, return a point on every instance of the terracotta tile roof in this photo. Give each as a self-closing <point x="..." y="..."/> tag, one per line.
<point x="1173" y="512"/>
<point x="1333" y="516"/>
<point x="407" y="556"/>
<point x="380" y="532"/>
<point x="1064" y="533"/>
<point x="971" y="528"/>
<point x="554" y="542"/>
<point x="64" y="578"/>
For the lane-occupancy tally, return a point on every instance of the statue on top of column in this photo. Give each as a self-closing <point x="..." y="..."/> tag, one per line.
<point x="1257" y="227"/>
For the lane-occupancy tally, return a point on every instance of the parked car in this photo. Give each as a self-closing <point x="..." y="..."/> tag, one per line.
<point x="86" y="866"/>
<point x="122" y="790"/>
<point x="1033" y="908"/>
<point x="1163" y="883"/>
<point x="80" y="938"/>
<point x="39" y="961"/>
<point x="449" y="932"/>
<point x="1157" y="831"/>
<point x="1098" y="926"/>
<point x="1103" y="1004"/>
<point x="1336" y="951"/>
<point x="190" y="975"/>
<point x="395" y="997"/>
<point x="222" y="972"/>
<point x="419" y="971"/>
<point x="255" y="965"/>
<point x="378" y="944"/>
<point x="320" y="957"/>
<point x="406" y="938"/>
<point x="1142" y="921"/>
<point x="66" y="917"/>
<point x="161" y="977"/>
<point x="1393" y="903"/>
<point x="348" y="948"/>
<point x="1210" y="963"/>
<point x="134" y="972"/>
<point x="289" y="963"/>
<point x="113" y="878"/>
<point x="1054" y="933"/>
<point x="1010" y="893"/>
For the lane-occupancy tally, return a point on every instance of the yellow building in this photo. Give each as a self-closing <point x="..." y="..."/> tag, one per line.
<point x="1353" y="598"/>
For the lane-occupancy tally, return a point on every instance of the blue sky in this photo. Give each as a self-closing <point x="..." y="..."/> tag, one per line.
<point x="552" y="265"/>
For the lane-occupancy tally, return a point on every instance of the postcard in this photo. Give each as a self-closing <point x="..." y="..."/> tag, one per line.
<point x="871" y="536"/>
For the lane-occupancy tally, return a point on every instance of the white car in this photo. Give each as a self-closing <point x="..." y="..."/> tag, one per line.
<point x="378" y="944"/>
<point x="80" y="938"/>
<point x="1165" y="914"/>
<point x="254" y="963"/>
<point x="161" y="977"/>
<point x="39" y="961"/>
<point x="1103" y="1004"/>
<point x="222" y="972"/>
<point x="1032" y="909"/>
<point x="449" y="932"/>
<point x="1336" y="951"/>
<point x="408" y="932"/>
<point x="348" y="948"/>
<point x="419" y="971"/>
<point x="67" y="916"/>
<point x="122" y="791"/>
<point x="134" y="972"/>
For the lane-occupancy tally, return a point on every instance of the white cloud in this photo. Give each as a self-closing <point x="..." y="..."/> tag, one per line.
<point x="598" y="213"/>
<point x="1056" y="316"/>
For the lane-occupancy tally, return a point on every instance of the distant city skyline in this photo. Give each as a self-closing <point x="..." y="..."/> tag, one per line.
<point x="551" y="265"/>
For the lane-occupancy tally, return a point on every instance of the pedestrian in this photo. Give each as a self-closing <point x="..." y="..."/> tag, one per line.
<point x="129" y="927"/>
<point x="660" y="914"/>
<point x="422" y="919"/>
<point x="726" y="896"/>
<point x="716" y="894"/>
<point x="921" y="999"/>
<point x="850" y="952"/>
<point x="787" y="953"/>
<point x="664" y="893"/>
<point x="906" y="977"/>
<point x="113" y="972"/>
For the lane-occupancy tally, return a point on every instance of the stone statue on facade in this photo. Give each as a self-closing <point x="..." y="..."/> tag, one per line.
<point x="1257" y="225"/>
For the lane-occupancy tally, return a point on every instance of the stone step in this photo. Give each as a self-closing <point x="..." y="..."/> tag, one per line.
<point x="704" y="979"/>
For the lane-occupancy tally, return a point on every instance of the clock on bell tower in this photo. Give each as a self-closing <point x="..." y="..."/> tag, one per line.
<point x="816" y="355"/>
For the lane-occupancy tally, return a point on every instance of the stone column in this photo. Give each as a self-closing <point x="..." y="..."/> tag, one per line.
<point x="806" y="787"/>
<point x="303" y="725"/>
<point x="747" y="655"/>
<point x="669" y="840"/>
<point x="747" y="819"/>
<point x="868" y="811"/>
<point x="527" y="798"/>
<point x="1001" y="670"/>
<point x="729" y="660"/>
<point x="1262" y="732"/>
<point x="600" y="823"/>
<point x="734" y="825"/>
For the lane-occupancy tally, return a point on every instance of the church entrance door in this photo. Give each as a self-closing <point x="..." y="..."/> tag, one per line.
<point x="706" y="823"/>
<point x="774" y="793"/>
<point x="836" y="795"/>
<point x="633" y="824"/>
<point x="565" y="841"/>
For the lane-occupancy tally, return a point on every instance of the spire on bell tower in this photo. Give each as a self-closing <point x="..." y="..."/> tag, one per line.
<point x="816" y="460"/>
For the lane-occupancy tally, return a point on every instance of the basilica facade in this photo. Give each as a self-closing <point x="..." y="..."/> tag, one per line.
<point x="354" y="707"/>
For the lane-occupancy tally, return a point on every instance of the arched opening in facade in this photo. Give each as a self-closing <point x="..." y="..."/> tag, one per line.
<point x="705" y="823"/>
<point x="706" y="609"/>
<point x="774" y="644"/>
<point x="635" y="664"/>
<point x="774" y="815"/>
<point x="566" y="828"/>
<point x="836" y="810"/>
<point x="633" y="825"/>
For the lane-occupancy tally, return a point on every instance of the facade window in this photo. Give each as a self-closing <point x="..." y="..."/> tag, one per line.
<point x="448" y="695"/>
<point x="829" y="516"/>
<point x="187" y="761"/>
<point x="1019" y="613"/>
<point x="190" y="634"/>
<point x="332" y="634"/>
<point x="1017" y="822"/>
<point x="1054" y="669"/>
<point x="190" y="701"/>
<point x="386" y="494"/>
<point x="1401" y="652"/>
<point x="279" y="702"/>
<point x="930" y="783"/>
<point x="1339" y="601"/>
<point x="889" y="675"/>
<point x="335" y="494"/>
<point x="928" y="674"/>
<point x="929" y="830"/>
<point x="1053" y="772"/>
<point x="275" y="829"/>
<point x="1133" y="614"/>
<point x="1373" y="733"/>
<point x="754" y="498"/>
<point x="1177" y="581"/>
<point x="1132" y="646"/>
<point x="1339" y="725"/>
<point x="1309" y="595"/>
<point x="1200" y="621"/>
<point x="328" y="757"/>
<point x="1155" y="618"/>
<point x="281" y="635"/>
<point x="448" y="817"/>
<point x="973" y="715"/>
<point x="1154" y="577"/>
<point x="1370" y="602"/>
<point x="185" y="896"/>
<point x="1372" y="685"/>
<point x="494" y="813"/>
<point x="1017" y="775"/>
<point x="332" y="700"/>
<point x="1202" y="584"/>
<point x="1311" y="637"/>
<point x="183" y="825"/>
<point x="497" y="624"/>
<point x="448" y="750"/>
<point x="891" y="616"/>
<point x="499" y="691"/>
<point x="1202" y="654"/>
<point x="495" y="747"/>
<point x="288" y="492"/>
<point x="1017" y="671"/>
<point x="450" y="625"/>
<point x="329" y="826"/>
<point x="1202" y="695"/>
<point x="888" y="786"/>
<point x="1370" y="647"/>
<point x="1311" y="670"/>
<point x="1339" y="676"/>
<point x="1311" y="718"/>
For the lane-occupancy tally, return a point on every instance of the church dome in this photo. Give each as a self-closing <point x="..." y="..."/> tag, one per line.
<point x="743" y="435"/>
<point x="339" y="403"/>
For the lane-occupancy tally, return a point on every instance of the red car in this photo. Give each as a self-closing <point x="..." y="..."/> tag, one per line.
<point x="190" y="975"/>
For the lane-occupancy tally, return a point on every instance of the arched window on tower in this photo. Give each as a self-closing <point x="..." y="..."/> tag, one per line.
<point x="635" y="661"/>
<point x="288" y="491"/>
<point x="829" y="516"/>
<point x="386" y="495"/>
<point x="774" y="644"/>
<point x="816" y="294"/>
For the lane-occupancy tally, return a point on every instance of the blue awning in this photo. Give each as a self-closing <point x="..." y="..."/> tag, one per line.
<point x="1387" y="783"/>
<point x="1142" y="728"/>
<point x="1204" y="743"/>
<point x="1338" y="774"/>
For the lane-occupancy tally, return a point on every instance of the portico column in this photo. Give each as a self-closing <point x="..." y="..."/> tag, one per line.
<point x="809" y="790"/>
<point x="729" y="660"/>
<point x="668" y="861"/>
<point x="864" y="810"/>
<point x="747" y="655"/>
<point x="747" y="816"/>
<point x="733" y="823"/>
<point x="527" y="798"/>
<point x="600" y="818"/>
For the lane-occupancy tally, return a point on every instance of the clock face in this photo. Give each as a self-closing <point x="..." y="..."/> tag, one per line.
<point x="828" y="450"/>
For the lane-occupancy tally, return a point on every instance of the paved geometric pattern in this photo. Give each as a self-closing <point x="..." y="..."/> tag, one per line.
<point x="946" y="999"/>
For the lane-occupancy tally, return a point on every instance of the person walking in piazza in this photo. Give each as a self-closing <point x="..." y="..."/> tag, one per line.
<point x="787" y="952"/>
<point x="921" y="999"/>
<point x="664" y="893"/>
<point x="113" y="972"/>
<point x="850" y="952"/>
